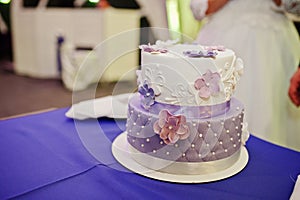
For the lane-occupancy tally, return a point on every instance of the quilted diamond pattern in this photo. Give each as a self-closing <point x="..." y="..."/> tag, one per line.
<point x="210" y="139"/>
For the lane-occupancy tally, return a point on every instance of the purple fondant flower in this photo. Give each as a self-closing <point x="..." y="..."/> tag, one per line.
<point x="208" y="84"/>
<point x="200" y="54"/>
<point x="217" y="48"/>
<point x="152" y="49"/>
<point x="171" y="128"/>
<point x="148" y="95"/>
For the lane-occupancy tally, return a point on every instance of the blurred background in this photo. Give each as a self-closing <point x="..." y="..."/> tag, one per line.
<point x="52" y="49"/>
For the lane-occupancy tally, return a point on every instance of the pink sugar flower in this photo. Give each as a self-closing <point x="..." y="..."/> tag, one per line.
<point x="171" y="128"/>
<point x="153" y="49"/>
<point x="208" y="84"/>
<point x="217" y="48"/>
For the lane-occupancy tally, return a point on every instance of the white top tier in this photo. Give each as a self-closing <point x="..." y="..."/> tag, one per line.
<point x="184" y="74"/>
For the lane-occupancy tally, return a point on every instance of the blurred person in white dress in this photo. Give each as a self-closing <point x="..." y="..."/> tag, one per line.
<point x="269" y="45"/>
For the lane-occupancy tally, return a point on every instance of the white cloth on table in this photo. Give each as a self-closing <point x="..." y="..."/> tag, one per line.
<point x="269" y="45"/>
<point x="110" y="106"/>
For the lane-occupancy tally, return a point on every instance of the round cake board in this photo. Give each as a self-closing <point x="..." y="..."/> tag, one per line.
<point x="121" y="152"/>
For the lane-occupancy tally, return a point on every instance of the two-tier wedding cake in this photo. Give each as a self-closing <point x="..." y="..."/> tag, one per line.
<point x="184" y="120"/>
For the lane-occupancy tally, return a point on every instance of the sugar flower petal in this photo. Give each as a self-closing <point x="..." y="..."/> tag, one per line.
<point x="204" y="92"/>
<point x="199" y="83"/>
<point x="148" y="96"/>
<point x="200" y="54"/>
<point x="208" y="84"/>
<point x="214" y="89"/>
<point x="170" y="127"/>
<point x="153" y="49"/>
<point x="156" y="127"/>
<point x="164" y="133"/>
<point x="217" y="48"/>
<point x="173" y="137"/>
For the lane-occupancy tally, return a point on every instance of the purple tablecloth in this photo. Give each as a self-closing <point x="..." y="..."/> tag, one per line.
<point x="45" y="156"/>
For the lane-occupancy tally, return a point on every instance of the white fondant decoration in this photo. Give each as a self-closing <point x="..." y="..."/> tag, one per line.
<point x="155" y="79"/>
<point x="169" y="72"/>
<point x="182" y="94"/>
<point x="231" y="75"/>
<point x="245" y="133"/>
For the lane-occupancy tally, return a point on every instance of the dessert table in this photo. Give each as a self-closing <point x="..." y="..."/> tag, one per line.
<point x="50" y="156"/>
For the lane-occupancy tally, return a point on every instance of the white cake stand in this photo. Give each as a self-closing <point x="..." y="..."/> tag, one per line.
<point x="122" y="154"/>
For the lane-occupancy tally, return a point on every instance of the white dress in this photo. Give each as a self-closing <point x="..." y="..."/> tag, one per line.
<point x="269" y="45"/>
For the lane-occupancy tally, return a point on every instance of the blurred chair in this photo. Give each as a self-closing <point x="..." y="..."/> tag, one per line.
<point x="35" y="31"/>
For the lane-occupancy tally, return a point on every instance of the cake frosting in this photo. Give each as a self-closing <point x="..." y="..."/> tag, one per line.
<point x="173" y="73"/>
<point x="183" y="119"/>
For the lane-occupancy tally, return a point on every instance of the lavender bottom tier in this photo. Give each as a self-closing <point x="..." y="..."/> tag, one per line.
<point x="213" y="143"/>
